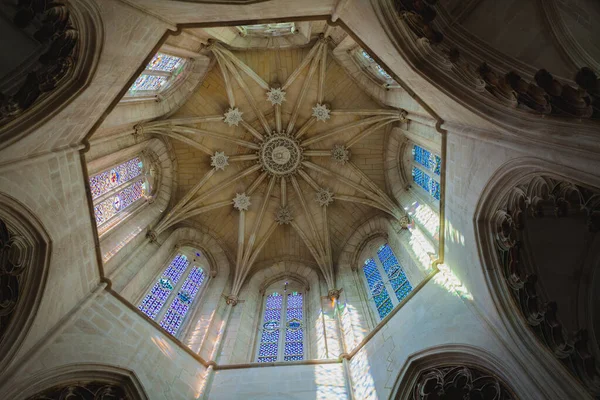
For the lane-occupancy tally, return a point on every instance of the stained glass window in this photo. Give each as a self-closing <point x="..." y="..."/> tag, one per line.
<point x="160" y="73"/>
<point x="170" y="289"/>
<point x="164" y="62"/>
<point x="268" y="30"/>
<point x="109" y="179"/>
<point x="383" y="275"/>
<point x="291" y="331"/>
<point x="394" y="271"/>
<point x="374" y="68"/>
<point x="377" y="288"/>
<point x="110" y="207"/>
<point x="427" y="177"/>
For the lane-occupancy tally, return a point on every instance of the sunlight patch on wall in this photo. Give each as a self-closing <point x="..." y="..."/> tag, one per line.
<point x="333" y="344"/>
<point x="425" y="217"/>
<point x="200" y="332"/>
<point x="362" y="380"/>
<point x="330" y="382"/>
<point x="164" y="347"/>
<point x="447" y="279"/>
<point x="109" y="254"/>
<point x="354" y="330"/>
<point x="320" y="339"/>
<point x="422" y="248"/>
<point x="454" y="234"/>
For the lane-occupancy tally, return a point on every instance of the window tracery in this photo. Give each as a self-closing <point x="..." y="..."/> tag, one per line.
<point x="375" y="70"/>
<point x="426" y="170"/>
<point x="180" y="294"/>
<point x="115" y="190"/>
<point x="384" y="275"/>
<point x="268" y="30"/>
<point x="160" y="73"/>
<point x="281" y="334"/>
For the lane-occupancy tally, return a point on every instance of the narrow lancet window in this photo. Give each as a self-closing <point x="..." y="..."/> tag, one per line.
<point x="426" y="171"/>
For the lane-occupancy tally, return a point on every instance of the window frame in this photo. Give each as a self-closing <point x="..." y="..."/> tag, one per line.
<point x="370" y="251"/>
<point x="423" y="194"/>
<point x="188" y="252"/>
<point x="124" y="213"/>
<point x="291" y="287"/>
<point x="372" y="69"/>
<point x="173" y="79"/>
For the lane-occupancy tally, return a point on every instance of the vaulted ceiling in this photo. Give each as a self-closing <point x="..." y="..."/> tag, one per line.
<point x="235" y="138"/>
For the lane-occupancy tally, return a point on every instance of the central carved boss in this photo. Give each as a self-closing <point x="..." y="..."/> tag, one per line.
<point x="280" y="155"/>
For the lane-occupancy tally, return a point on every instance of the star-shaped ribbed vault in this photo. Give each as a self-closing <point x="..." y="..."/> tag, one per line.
<point x="286" y="168"/>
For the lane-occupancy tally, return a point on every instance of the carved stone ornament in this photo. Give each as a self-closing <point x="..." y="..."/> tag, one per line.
<point x="334" y="294"/>
<point x="233" y="116"/>
<point x="324" y="197"/>
<point x="459" y="382"/>
<point x="52" y="26"/>
<point x="276" y="96"/>
<point x="284" y="216"/>
<point x="83" y="391"/>
<point x="241" y="202"/>
<point x="280" y="155"/>
<point x="232" y="300"/>
<point x="543" y="196"/>
<point x="219" y="160"/>
<point x="151" y="235"/>
<point x="11" y="270"/>
<point x="321" y="112"/>
<point x="340" y="154"/>
<point x="405" y="222"/>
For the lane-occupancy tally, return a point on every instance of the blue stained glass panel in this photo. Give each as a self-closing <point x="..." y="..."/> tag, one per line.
<point x="164" y="62"/>
<point x="293" y="348"/>
<point x="269" y="340"/>
<point x="367" y="56"/>
<point x="180" y="304"/>
<point x="395" y="273"/>
<point x="274" y="301"/>
<point x="268" y="349"/>
<point x="293" y="358"/>
<point x="269" y="336"/>
<point x="403" y="291"/>
<point x="114" y="177"/>
<point x="155" y="300"/>
<point x="110" y="207"/>
<point x="292" y="335"/>
<point x="438" y="165"/>
<point x="267" y="359"/>
<point x="176" y="268"/>
<point x="435" y="189"/>
<point x="149" y="82"/>
<point x="423" y="157"/>
<point x="294" y="313"/>
<point x="385" y="308"/>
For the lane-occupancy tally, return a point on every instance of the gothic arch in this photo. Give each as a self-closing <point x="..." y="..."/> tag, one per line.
<point x="520" y="191"/>
<point x="61" y="78"/>
<point x="77" y="377"/>
<point x="438" y="367"/>
<point x="24" y="259"/>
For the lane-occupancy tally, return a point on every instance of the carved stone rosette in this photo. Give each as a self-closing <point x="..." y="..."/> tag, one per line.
<point x="543" y="196"/>
<point x="83" y="391"/>
<point x="459" y="382"/>
<point x="12" y="270"/>
<point x="58" y="39"/>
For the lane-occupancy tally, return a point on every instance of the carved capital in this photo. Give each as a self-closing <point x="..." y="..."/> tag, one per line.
<point x="232" y="300"/>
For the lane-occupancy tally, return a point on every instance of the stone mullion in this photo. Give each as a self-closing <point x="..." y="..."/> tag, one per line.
<point x="385" y="278"/>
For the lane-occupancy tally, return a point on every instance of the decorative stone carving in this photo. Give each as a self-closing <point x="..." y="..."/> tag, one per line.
<point x="241" y="202"/>
<point x="321" y="112"/>
<point x="233" y="116"/>
<point x="419" y="17"/>
<point x="12" y="268"/>
<point x="528" y="94"/>
<point x="334" y="294"/>
<point x="545" y="197"/>
<point x="459" y="382"/>
<point x="151" y="235"/>
<point x="276" y="96"/>
<point x="83" y="390"/>
<point x="232" y="300"/>
<point x="587" y="79"/>
<point x="565" y="98"/>
<point x="280" y="155"/>
<point x="465" y="71"/>
<point x="405" y="222"/>
<point x="219" y="160"/>
<point x="59" y="38"/>
<point x="498" y="86"/>
<point x="284" y="216"/>
<point x="324" y="197"/>
<point x="340" y="154"/>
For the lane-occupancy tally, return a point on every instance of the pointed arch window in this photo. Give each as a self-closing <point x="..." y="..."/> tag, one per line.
<point x="375" y="70"/>
<point x="176" y="291"/>
<point x="426" y="170"/>
<point x="117" y="191"/>
<point x="161" y="73"/>
<point x="385" y="280"/>
<point x="281" y="334"/>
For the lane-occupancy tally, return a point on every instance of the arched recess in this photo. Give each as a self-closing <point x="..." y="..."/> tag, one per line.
<point x="537" y="229"/>
<point x="24" y="260"/>
<point x="120" y="240"/>
<point x="243" y="326"/>
<point x="41" y="86"/>
<point x="444" y="371"/>
<point x="414" y="257"/>
<point x="421" y="207"/>
<point x="134" y="276"/>
<point x="85" y="380"/>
